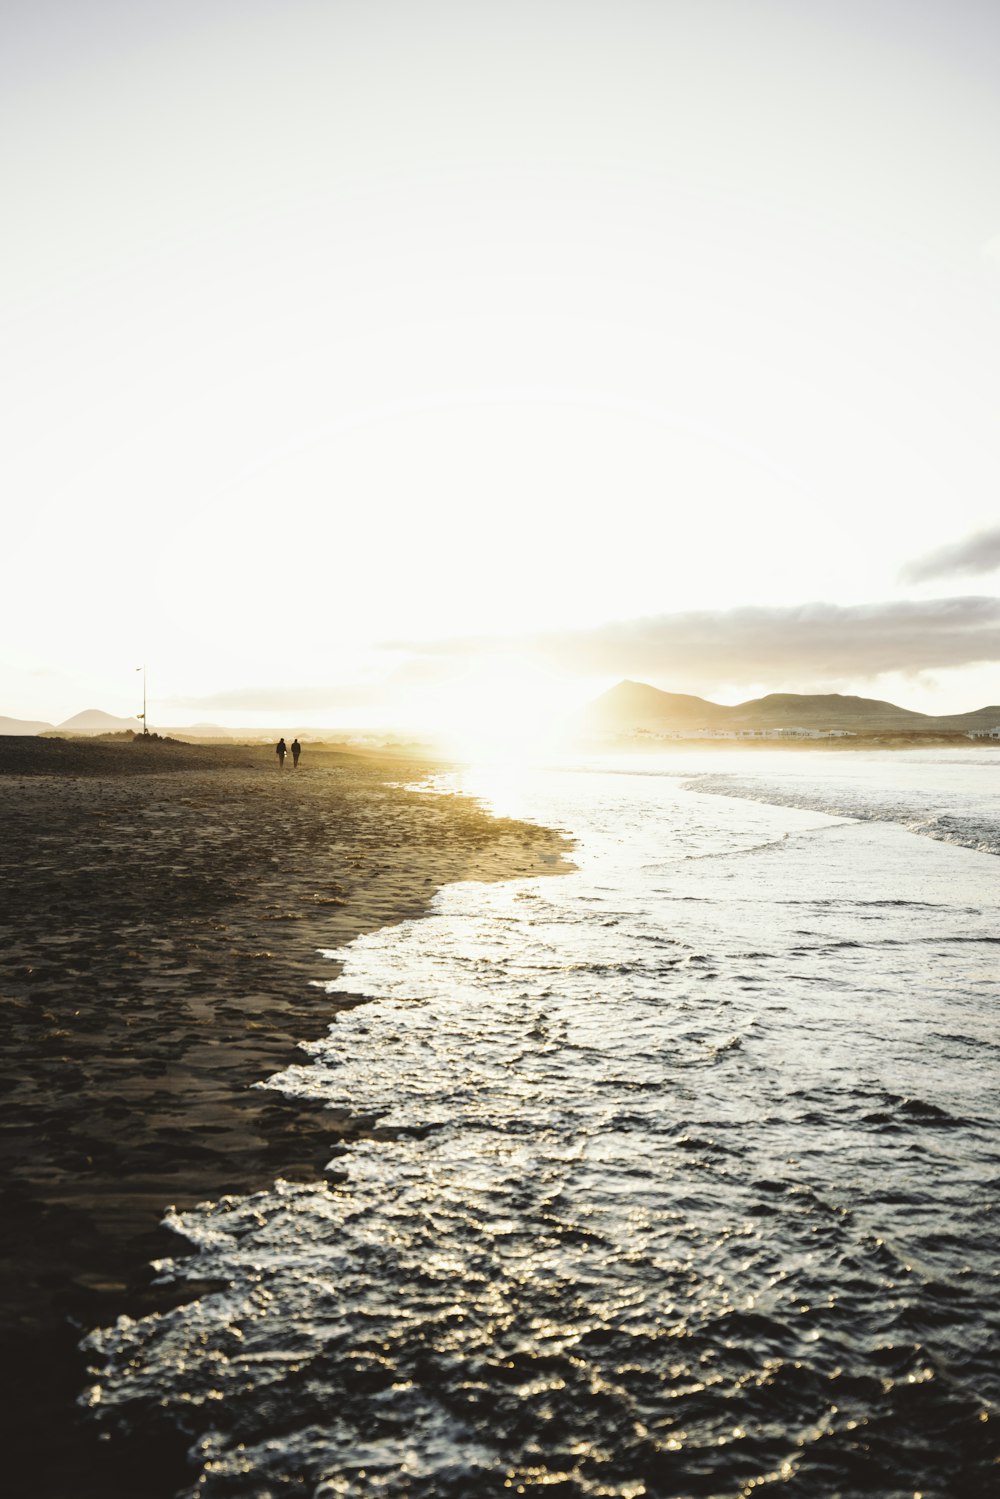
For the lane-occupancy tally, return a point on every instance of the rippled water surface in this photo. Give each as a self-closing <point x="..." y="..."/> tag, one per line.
<point x="686" y="1181"/>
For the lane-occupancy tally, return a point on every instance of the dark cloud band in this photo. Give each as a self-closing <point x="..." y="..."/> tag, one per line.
<point x="816" y="642"/>
<point x="819" y="641"/>
<point x="978" y="554"/>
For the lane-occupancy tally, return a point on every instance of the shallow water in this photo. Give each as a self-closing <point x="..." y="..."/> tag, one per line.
<point x="687" y="1173"/>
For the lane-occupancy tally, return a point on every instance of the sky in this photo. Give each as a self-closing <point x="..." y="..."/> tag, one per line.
<point x="397" y="362"/>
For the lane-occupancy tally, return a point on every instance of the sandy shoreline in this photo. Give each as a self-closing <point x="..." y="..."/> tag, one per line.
<point x="160" y="916"/>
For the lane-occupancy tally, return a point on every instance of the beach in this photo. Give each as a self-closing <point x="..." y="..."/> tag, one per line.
<point x="666" y="1177"/>
<point x="163" y="915"/>
<point x="682" y="1181"/>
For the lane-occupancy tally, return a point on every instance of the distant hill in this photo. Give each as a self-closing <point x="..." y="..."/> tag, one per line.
<point x="635" y="706"/>
<point x="831" y="710"/>
<point x="95" y="721"/>
<point x="23" y="726"/>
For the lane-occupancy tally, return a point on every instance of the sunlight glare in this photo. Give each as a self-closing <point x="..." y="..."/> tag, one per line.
<point x="501" y="711"/>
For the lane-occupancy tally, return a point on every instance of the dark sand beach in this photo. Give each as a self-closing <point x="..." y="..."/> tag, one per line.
<point x="161" y="914"/>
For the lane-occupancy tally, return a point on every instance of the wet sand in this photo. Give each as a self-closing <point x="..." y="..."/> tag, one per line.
<point x="161" y="911"/>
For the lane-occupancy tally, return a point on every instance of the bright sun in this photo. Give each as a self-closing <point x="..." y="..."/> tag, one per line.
<point x="501" y="710"/>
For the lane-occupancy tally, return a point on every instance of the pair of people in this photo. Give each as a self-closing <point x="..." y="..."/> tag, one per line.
<point x="281" y="750"/>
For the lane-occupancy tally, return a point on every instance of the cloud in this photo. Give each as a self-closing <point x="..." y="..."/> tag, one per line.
<point x="976" y="554"/>
<point x="815" y="643"/>
<point x="282" y="699"/>
<point x="804" y="647"/>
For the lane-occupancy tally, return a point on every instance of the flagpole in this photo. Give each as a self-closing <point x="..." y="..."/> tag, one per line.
<point x="142" y="715"/>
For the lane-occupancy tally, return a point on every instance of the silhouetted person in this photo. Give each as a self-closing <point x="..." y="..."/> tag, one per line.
<point x="296" y="752"/>
<point x="281" y="750"/>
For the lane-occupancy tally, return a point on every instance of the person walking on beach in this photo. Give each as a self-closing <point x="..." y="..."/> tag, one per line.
<point x="296" y="752"/>
<point x="281" y="750"/>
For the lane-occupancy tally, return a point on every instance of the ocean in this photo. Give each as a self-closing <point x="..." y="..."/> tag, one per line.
<point x="685" y="1176"/>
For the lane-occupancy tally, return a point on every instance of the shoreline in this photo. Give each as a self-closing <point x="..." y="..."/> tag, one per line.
<point x="162" y="914"/>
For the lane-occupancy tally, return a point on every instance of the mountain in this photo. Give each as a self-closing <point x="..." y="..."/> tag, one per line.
<point x="23" y="726"/>
<point x="831" y="710"/>
<point x="94" y="721"/>
<point x="636" y="707"/>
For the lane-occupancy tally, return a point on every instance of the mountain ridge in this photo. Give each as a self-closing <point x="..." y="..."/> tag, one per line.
<point x="96" y="721"/>
<point x="15" y="727"/>
<point x="632" y="707"/>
